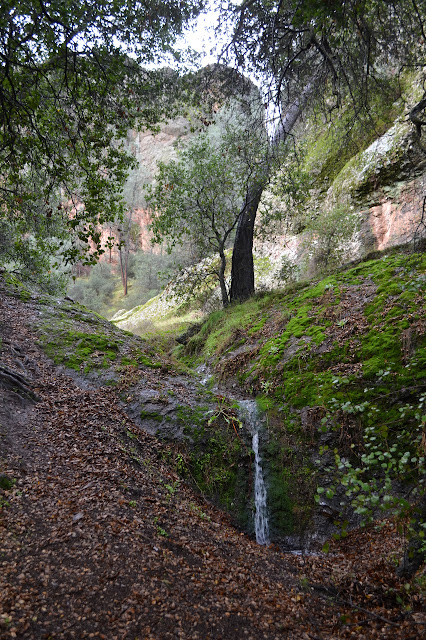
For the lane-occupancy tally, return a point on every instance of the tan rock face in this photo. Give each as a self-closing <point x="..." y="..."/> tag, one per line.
<point x="394" y="222"/>
<point x="148" y="149"/>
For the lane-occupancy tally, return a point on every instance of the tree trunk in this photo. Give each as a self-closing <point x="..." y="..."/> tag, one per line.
<point x="242" y="273"/>
<point x="124" y="255"/>
<point x="123" y="271"/>
<point x="223" y="290"/>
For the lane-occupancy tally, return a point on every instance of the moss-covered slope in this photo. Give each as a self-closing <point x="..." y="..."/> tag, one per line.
<point x="198" y="429"/>
<point x="327" y="361"/>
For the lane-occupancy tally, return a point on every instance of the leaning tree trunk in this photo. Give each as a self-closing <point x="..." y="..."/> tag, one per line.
<point x="242" y="272"/>
<point x="223" y="290"/>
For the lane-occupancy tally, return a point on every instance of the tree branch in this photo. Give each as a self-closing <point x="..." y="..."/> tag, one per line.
<point x="414" y="116"/>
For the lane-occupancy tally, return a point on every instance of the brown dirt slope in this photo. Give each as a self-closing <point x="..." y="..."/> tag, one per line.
<point x="100" y="539"/>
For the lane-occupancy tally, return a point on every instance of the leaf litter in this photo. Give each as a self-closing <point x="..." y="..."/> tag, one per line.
<point x="101" y="539"/>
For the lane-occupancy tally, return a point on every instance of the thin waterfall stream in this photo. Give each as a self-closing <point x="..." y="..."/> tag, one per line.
<point x="250" y="415"/>
<point x="261" y="523"/>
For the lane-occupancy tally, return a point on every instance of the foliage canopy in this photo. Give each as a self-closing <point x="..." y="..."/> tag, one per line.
<point x="321" y="54"/>
<point x="71" y="86"/>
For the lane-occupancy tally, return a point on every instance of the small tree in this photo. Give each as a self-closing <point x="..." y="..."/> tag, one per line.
<point x="327" y="238"/>
<point x="388" y="476"/>
<point x="199" y="196"/>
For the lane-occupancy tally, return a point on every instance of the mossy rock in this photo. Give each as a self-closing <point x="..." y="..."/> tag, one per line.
<point x="79" y="350"/>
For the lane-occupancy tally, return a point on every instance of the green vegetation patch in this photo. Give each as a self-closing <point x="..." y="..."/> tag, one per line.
<point x="146" y="360"/>
<point x="84" y="341"/>
<point x="331" y="150"/>
<point x="78" y="350"/>
<point x="344" y="356"/>
<point x="216" y="458"/>
<point x="6" y="482"/>
<point x="151" y="415"/>
<point x="17" y="288"/>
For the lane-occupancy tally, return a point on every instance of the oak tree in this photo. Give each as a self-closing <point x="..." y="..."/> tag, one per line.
<point x="322" y="53"/>
<point x="198" y="197"/>
<point x="71" y="85"/>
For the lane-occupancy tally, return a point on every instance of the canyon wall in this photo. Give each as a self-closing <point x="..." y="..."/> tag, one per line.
<point x="148" y="148"/>
<point x="383" y="186"/>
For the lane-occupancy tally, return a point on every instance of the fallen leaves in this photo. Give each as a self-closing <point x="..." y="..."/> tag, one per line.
<point x="83" y="555"/>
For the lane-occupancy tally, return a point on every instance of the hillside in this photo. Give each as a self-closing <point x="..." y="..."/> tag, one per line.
<point x="327" y="362"/>
<point x="113" y="456"/>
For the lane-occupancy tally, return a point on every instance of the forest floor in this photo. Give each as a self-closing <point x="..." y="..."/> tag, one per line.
<point x="99" y="538"/>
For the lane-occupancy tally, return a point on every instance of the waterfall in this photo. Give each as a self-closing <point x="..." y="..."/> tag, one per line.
<point x="261" y="525"/>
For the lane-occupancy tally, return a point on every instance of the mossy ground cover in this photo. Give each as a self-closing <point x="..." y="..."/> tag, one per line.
<point x="342" y="355"/>
<point x="357" y="321"/>
<point x="84" y="341"/>
<point x="16" y="287"/>
<point x="79" y="349"/>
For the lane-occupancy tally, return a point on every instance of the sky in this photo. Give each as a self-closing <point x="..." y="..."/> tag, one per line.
<point x="201" y="37"/>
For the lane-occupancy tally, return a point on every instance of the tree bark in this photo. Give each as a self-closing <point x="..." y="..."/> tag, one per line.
<point x="124" y="253"/>
<point x="242" y="272"/>
<point x="414" y="116"/>
<point x="223" y="290"/>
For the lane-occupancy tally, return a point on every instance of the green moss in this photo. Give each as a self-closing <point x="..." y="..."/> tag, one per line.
<point x="215" y="463"/>
<point x="193" y="420"/>
<point x="143" y="358"/>
<point x="7" y="483"/>
<point x="320" y="353"/>
<point x="126" y="362"/>
<point x="19" y="289"/>
<point x="151" y="415"/>
<point x="221" y="327"/>
<point x="280" y="504"/>
<point x="331" y="150"/>
<point x="79" y="350"/>
<point x="216" y="458"/>
<point x="264" y="403"/>
<point x="318" y="290"/>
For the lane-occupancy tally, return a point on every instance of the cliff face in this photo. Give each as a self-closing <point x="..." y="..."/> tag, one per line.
<point x="382" y="189"/>
<point x="385" y="184"/>
<point x="148" y="148"/>
<point x="397" y="220"/>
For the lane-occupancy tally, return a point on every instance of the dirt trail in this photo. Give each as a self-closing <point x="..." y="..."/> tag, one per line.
<point x="100" y="539"/>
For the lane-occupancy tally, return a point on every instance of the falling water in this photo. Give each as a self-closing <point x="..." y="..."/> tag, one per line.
<point x="261" y="526"/>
